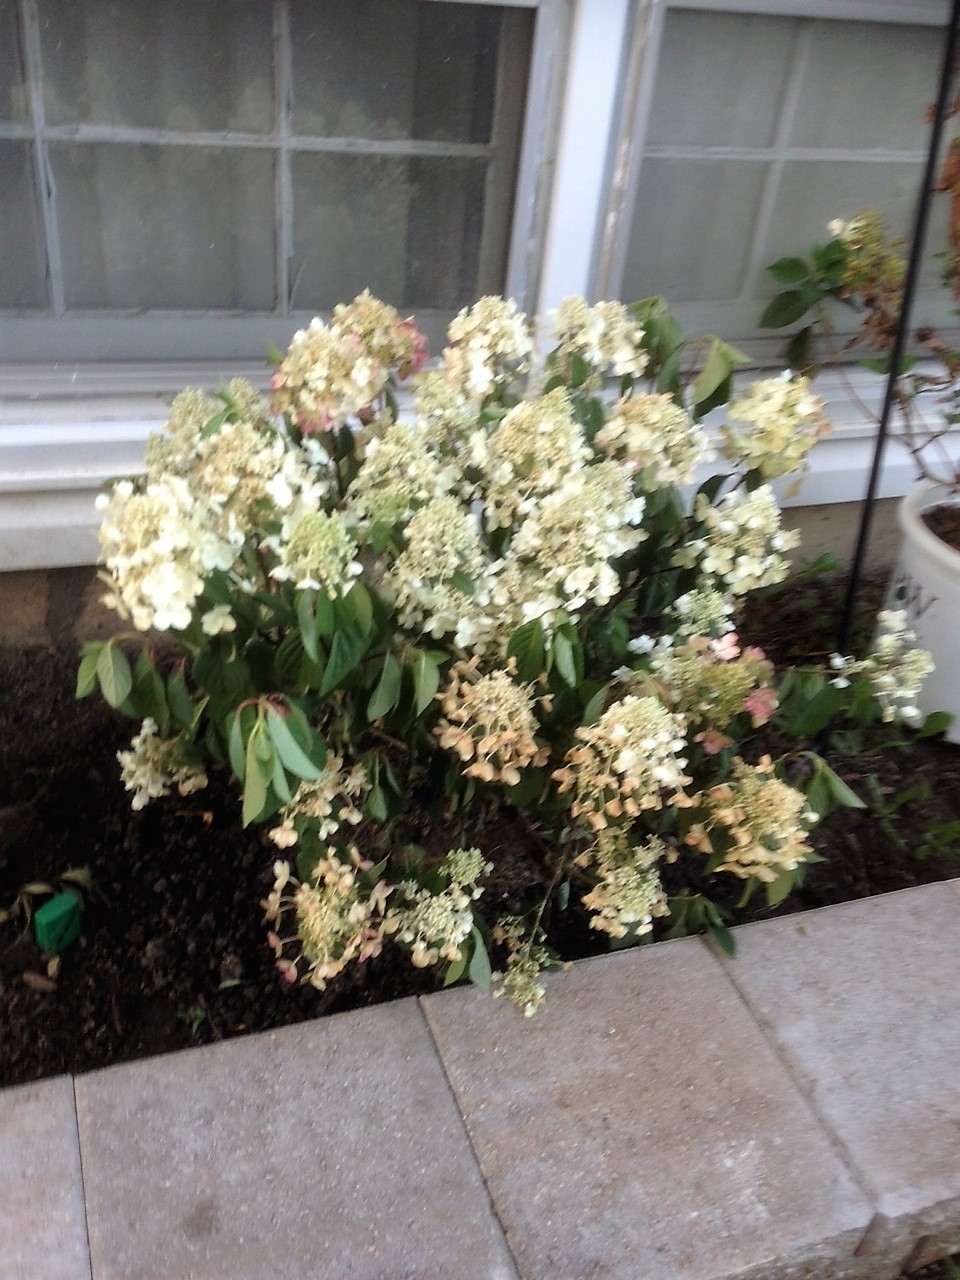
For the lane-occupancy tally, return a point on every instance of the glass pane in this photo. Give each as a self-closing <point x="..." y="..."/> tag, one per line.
<point x="868" y="84"/>
<point x="720" y="78"/>
<point x="22" y="266"/>
<point x="167" y="227"/>
<point x="13" y="94"/>
<point x="396" y="69"/>
<point x="407" y="229"/>
<point x="692" y="228"/>
<point x="179" y="64"/>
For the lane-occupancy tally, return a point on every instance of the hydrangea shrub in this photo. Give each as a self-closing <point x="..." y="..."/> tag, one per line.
<point x="511" y="596"/>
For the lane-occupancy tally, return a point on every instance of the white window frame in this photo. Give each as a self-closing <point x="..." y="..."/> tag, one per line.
<point x="68" y="426"/>
<point x="596" y="188"/>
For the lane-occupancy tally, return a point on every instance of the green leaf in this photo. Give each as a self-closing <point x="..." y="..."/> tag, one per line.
<point x="426" y="679"/>
<point x="290" y="752"/>
<point x="87" y="671"/>
<point x="279" y="782"/>
<point x="363" y="606"/>
<point x="344" y="655"/>
<point x="818" y="795"/>
<point x="480" y="971"/>
<point x="181" y="704"/>
<point x="839" y="791"/>
<point x="721" y="360"/>
<point x="528" y="647"/>
<point x="326" y="616"/>
<point x="376" y="804"/>
<point x="936" y="722"/>
<point x="563" y="658"/>
<point x="789" y="270"/>
<point x="274" y="355"/>
<point x="786" y="308"/>
<point x="799" y="353"/>
<point x="779" y="889"/>
<point x="579" y="370"/>
<point x="113" y="672"/>
<point x="455" y="970"/>
<point x="254" y="783"/>
<point x="594" y="708"/>
<point x="307" y="620"/>
<point x="463" y="583"/>
<point x="387" y="693"/>
<point x="235" y="747"/>
<point x="149" y="692"/>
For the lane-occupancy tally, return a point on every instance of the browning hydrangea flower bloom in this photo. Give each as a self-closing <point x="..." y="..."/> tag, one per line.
<point x="754" y="823"/>
<point x="654" y="436"/>
<point x="332" y="373"/>
<point x="337" y="921"/>
<point x="527" y="456"/>
<point x="627" y="893"/>
<point x="489" y="722"/>
<point x="895" y="668"/>
<point x="441" y="541"/>
<point x="605" y="335"/>
<point x="629" y="759"/>
<point x="711" y="685"/>
<point x="398" y="475"/>
<point x="488" y="341"/>
<point x="701" y="612"/>
<point x="436" y="923"/>
<point x="327" y="802"/>
<point x="156" y="546"/>
<point x="589" y="519"/>
<point x="318" y="555"/>
<point x="527" y="958"/>
<point x="445" y="414"/>
<point x="740" y="542"/>
<point x="784" y="421"/>
<point x="154" y="764"/>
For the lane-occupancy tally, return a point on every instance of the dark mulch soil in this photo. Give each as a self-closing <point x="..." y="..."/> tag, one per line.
<point x="173" y="947"/>
<point x="944" y="521"/>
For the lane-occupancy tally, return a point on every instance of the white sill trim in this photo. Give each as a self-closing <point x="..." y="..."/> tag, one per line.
<point x="66" y="431"/>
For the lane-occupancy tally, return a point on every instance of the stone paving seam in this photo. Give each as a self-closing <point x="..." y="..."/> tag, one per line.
<point x="469" y="1137"/>
<point x="83" y="1190"/>
<point x="837" y="1145"/>
<point x="878" y="1237"/>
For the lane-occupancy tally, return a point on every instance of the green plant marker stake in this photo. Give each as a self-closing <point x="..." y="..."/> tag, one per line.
<point x="57" y="923"/>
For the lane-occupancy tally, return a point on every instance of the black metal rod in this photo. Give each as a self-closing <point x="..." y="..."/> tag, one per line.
<point x="914" y="261"/>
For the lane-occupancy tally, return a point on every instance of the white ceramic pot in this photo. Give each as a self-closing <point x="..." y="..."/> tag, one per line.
<point x="926" y="582"/>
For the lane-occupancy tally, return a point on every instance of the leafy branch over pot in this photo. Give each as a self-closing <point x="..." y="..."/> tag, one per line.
<point x="509" y="599"/>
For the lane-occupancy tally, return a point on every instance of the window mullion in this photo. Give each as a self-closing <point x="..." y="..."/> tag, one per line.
<point x="46" y="187"/>
<point x="283" y="89"/>
<point x="504" y="134"/>
<point x="770" y="190"/>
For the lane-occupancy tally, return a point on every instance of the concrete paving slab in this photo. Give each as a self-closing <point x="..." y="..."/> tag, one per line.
<point x="43" y="1232"/>
<point x="863" y="1002"/>
<point x="323" y="1151"/>
<point x="641" y="1126"/>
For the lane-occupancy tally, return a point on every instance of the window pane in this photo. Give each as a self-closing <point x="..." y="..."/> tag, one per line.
<point x="167" y="227"/>
<point x="692" y="228"/>
<point x="407" y="228"/>
<point x="867" y="84"/>
<point x="179" y="64"/>
<point x="396" y="69"/>
<point x="721" y="78"/>
<point x="22" y="281"/>
<point x="13" y="95"/>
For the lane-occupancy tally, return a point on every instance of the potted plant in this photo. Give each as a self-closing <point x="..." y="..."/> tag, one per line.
<point x="862" y="267"/>
<point x="395" y="629"/>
